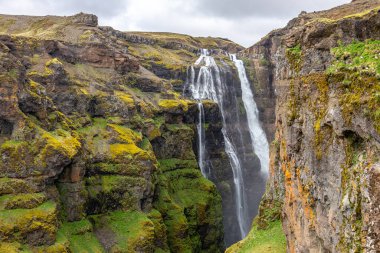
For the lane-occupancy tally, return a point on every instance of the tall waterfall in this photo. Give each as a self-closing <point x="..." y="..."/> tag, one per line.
<point x="258" y="138"/>
<point x="209" y="85"/>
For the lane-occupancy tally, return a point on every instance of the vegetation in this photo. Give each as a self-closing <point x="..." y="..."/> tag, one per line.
<point x="357" y="69"/>
<point x="80" y="237"/>
<point x="269" y="240"/>
<point x="294" y="56"/>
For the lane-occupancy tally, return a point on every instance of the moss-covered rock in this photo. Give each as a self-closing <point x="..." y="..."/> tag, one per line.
<point x="126" y="232"/>
<point x="34" y="226"/>
<point x="191" y="208"/>
<point x="80" y="237"/>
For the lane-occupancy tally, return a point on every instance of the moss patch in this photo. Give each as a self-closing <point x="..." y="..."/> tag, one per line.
<point x="16" y="224"/>
<point x="133" y="231"/>
<point x="81" y="237"/>
<point x="270" y="240"/>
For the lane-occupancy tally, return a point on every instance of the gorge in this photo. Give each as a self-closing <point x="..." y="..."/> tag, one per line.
<point x="117" y="141"/>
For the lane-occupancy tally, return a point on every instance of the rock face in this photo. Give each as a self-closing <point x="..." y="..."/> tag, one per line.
<point x="324" y="69"/>
<point x="97" y="147"/>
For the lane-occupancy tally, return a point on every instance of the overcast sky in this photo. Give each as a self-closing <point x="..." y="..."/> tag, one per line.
<point x="243" y="21"/>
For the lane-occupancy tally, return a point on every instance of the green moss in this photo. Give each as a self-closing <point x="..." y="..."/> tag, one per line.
<point x="318" y="107"/>
<point x="357" y="56"/>
<point x="172" y="164"/>
<point x="27" y="200"/>
<point x="352" y="173"/>
<point x="270" y="240"/>
<point x="16" y="224"/>
<point x="111" y="192"/>
<point x="161" y="244"/>
<point x="14" y="185"/>
<point x="81" y="237"/>
<point x="132" y="231"/>
<point x="356" y="72"/>
<point x="294" y="57"/>
<point x="188" y="201"/>
<point x="293" y="103"/>
<point x="177" y="127"/>
<point x="269" y="211"/>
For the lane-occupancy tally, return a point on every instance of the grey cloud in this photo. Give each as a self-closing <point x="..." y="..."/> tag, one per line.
<point x="259" y="8"/>
<point x="243" y="21"/>
<point x="66" y="7"/>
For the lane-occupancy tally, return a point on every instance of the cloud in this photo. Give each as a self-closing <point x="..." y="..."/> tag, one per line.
<point x="263" y="8"/>
<point x="65" y="7"/>
<point x="243" y="21"/>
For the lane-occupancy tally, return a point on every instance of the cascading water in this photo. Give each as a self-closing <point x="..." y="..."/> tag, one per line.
<point x="258" y="138"/>
<point x="202" y="140"/>
<point x="209" y="85"/>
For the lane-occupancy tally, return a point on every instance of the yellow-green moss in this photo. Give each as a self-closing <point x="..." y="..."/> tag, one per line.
<point x="13" y="186"/>
<point x="118" y="149"/>
<point x="171" y="104"/>
<point x="294" y="57"/>
<point x="293" y="103"/>
<point x="60" y="141"/>
<point x="42" y="218"/>
<point x="27" y="200"/>
<point x="318" y="107"/>
<point x="53" y="61"/>
<point x="126" y="98"/>
<point x="125" y="134"/>
<point x="86" y="35"/>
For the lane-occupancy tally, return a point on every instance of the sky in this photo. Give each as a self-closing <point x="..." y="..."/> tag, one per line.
<point x="243" y="21"/>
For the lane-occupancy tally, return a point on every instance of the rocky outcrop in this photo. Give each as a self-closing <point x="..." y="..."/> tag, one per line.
<point x="324" y="70"/>
<point x="97" y="151"/>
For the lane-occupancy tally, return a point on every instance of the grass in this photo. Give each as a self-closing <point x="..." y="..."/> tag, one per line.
<point x="357" y="56"/>
<point x="270" y="240"/>
<point x="357" y="68"/>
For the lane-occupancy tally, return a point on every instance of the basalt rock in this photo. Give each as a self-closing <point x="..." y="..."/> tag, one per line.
<point x="97" y="151"/>
<point x="326" y="144"/>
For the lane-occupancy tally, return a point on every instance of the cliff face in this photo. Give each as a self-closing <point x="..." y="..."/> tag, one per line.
<point x="324" y="69"/>
<point x="97" y="147"/>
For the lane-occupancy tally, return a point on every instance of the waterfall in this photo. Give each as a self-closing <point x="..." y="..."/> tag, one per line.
<point x="209" y="85"/>
<point x="201" y="140"/>
<point x="258" y="138"/>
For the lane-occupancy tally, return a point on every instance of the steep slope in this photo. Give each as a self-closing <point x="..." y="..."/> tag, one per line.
<point x="324" y="69"/>
<point x="97" y="144"/>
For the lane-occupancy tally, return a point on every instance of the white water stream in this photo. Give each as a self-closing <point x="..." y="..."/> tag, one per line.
<point x="208" y="85"/>
<point x="258" y="138"/>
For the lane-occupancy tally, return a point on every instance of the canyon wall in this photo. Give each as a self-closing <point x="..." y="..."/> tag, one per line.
<point x="324" y="70"/>
<point x="98" y="146"/>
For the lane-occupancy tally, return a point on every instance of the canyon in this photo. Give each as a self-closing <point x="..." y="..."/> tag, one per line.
<point x="117" y="141"/>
